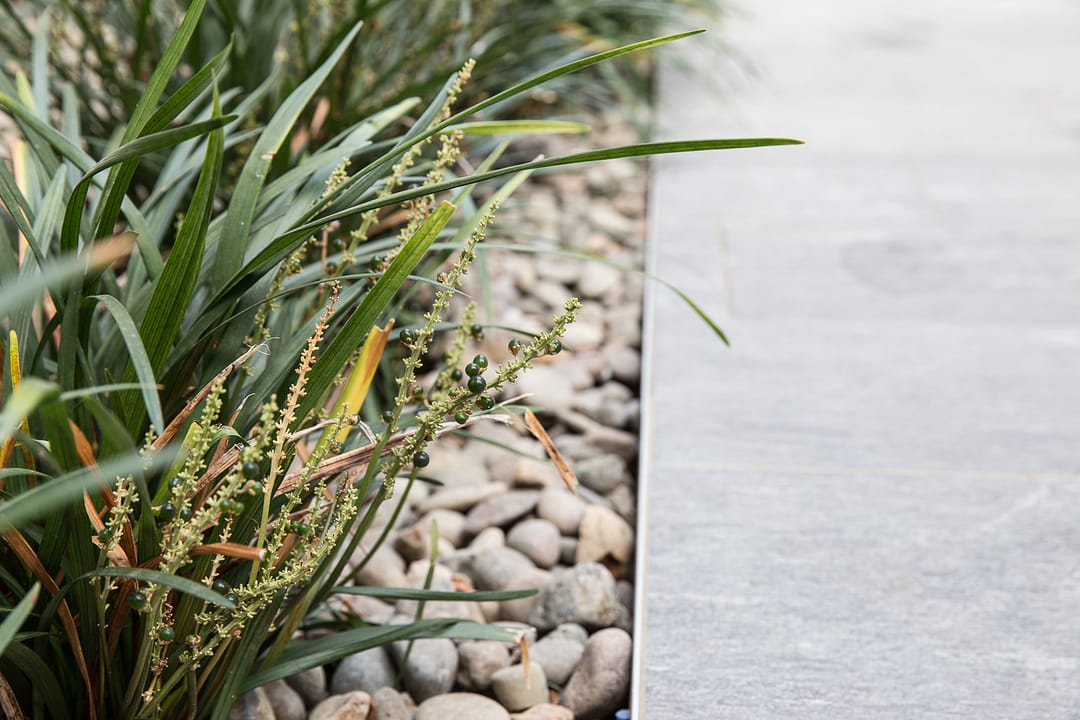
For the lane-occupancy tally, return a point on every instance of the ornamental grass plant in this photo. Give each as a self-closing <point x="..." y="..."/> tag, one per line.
<point x="188" y="467"/>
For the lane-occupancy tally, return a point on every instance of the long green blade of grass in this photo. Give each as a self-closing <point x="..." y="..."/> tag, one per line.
<point x="117" y="184"/>
<point x="286" y="243"/>
<point x="394" y="593"/>
<point x="237" y="224"/>
<point x="69" y="237"/>
<point x="49" y="496"/>
<point x="175" y="286"/>
<point x="144" y="369"/>
<point x="176" y="582"/>
<point x="17" y="617"/>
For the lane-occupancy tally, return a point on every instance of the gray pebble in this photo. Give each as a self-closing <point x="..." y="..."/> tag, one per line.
<point x="624" y="502"/>
<point x="252" y="705"/>
<point x="385" y="568"/>
<point x="583" y="594"/>
<point x="599" y="685"/>
<point x="583" y="335"/>
<point x="460" y="498"/>
<point x="559" y="652"/>
<point x="350" y="706"/>
<point x="461" y="706"/>
<point x="478" y="660"/>
<point x="561" y="508"/>
<point x="311" y="684"/>
<point x="538" y="539"/>
<point x="624" y="362"/>
<point x="604" y="535"/>
<point x="599" y="281"/>
<point x="451" y="524"/>
<point x="500" y="511"/>
<point x="389" y="705"/>
<point x="493" y="568"/>
<point x="286" y="702"/>
<point x="430" y="668"/>
<point x="488" y="538"/>
<point x="602" y="473"/>
<point x="517" y="690"/>
<point x="367" y="671"/>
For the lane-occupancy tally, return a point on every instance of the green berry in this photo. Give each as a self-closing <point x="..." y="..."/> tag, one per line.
<point x="376" y="262"/>
<point x="220" y="586"/>
<point x="237" y="506"/>
<point x="418" y="393"/>
<point x="456" y="374"/>
<point x="166" y="512"/>
<point x="104" y="535"/>
<point x="421" y="459"/>
<point x="256" y="488"/>
<point x="166" y="634"/>
<point x="461" y="418"/>
<point x="556" y="346"/>
<point x="514" y="346"/>
<point x="387" y="416"/>
<point x="477" y="385"/>
<point x="137" y="600"/>
<point x="302" y="528"/>
<point x="251" y="470"/>
<point x="232" y="597"/>
<point x="472" y="369"/>
<point x="475" y="330"/>
<point x="174" y="483"/>
<point x="485" y="402"/>
<point x="481" y="361"/>
<point x="185" y="514"/>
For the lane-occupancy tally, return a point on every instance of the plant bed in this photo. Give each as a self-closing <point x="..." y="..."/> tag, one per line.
<point x="506" y="519"/>
<point x="202" y="468"/>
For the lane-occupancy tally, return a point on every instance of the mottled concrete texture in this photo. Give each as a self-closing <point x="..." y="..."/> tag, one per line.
<point x="869" y="506"/>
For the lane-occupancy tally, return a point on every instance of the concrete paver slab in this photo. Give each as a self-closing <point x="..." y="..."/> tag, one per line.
<point x="867" y="506"/>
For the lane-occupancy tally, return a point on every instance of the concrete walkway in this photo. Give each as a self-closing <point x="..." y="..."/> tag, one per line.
<point x="869" y="506"/>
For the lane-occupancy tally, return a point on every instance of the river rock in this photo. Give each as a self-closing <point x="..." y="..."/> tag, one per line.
<point x="559" y="652"/>
<point x="461" y="706"/>
<point x="287" y="703"/>
<point x="561" y="508"/>
<point x="517" y="691"/>
<point x="599" y="685"/>
<point x="602" y="473"/>
<point x="488" y="538"/>
<point x="500" y="511"/>
<point x="350" y="706"/>
<point x="389" y="705"/>
<point x="311" y="684"/>
<point x="252" y="705"/>
<point x="598" y="281"/>
<point x="478" y="660"/>
<point x="603" y="536"/>
<point x="366" y="671"/>
<point x="430" y="668"/>
<point x="461" y="497"/>
<point x="385" y="568"/>
<point x="543" y="711"/>
<point x="583" y="594"/>
<point x="537" y="539"/>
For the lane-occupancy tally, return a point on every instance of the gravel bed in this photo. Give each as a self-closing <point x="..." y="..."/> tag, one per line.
<point x="506" y="520"/>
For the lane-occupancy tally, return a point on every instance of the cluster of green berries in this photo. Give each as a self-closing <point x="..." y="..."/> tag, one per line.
<point x="298" y="527"/>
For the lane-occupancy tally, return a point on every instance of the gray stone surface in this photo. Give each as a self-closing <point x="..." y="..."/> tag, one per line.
<point x="866" y="507"/>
